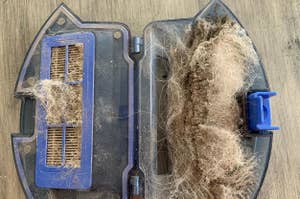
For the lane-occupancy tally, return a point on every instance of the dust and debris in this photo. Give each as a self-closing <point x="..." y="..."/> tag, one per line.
<point x="62" y="103"/>
<point x="60" y="100"/>
<point x="105" y="110"/>
<point x="207" y="75"/>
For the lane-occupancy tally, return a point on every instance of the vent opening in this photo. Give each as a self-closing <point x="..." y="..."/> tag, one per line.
<point x="54" y="146"/>
<point x="58" y="59"/>
<point x="163" y="163"/>
<point x="75" y="63"/>
<point x="73" y="147"/>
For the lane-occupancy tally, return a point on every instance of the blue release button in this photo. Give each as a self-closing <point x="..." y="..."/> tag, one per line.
<point x="259" y="111"/>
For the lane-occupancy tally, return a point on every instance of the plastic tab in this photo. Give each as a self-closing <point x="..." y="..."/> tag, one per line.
<point x="259" y="111"/>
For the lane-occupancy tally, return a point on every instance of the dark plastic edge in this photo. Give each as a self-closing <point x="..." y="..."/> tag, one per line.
<point x="16" y="139"/>
<point x="265" y="166"/>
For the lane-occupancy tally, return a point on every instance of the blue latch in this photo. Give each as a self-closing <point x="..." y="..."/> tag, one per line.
<point x="259" y="111"/>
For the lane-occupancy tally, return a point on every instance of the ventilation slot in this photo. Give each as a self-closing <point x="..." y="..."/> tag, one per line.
<point x="75" y="63"/>
<point x="163" y="164"/>
<point x="58" y="59"/>
<point x="54" y="149"/>
<point x="73" y="147"/>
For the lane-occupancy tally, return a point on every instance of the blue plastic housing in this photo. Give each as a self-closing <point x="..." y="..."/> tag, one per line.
<point x="63" y="177"/>
<point x="259" y="111"/>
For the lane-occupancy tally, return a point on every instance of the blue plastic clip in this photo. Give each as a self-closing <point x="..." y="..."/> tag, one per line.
<point x="259" y="111"/>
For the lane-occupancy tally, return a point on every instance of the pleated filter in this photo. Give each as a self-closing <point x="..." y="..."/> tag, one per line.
<point x="64" y="140"/>
<point x="72" y="134"/>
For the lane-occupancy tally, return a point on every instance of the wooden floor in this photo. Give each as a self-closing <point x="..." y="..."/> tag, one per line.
<point x="274" y="26"/>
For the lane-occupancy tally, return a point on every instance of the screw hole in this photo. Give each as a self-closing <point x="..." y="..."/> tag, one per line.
<point x="117" y="35"/>
<point x="27" y="149"/>
<point x="61" y="21"/>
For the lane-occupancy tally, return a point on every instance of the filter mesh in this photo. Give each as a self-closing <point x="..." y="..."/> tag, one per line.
<point x="54" y="146"/>
<point x="73" y="147"/>
<point x="75" y="62"/>
<point x="58" y="59"/>
<point x="71" y="110"/>
<point x="73" y="114"/>
<point x="54" y="110"/>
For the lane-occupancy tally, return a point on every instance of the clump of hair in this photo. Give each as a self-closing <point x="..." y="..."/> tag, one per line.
<point x="203" y="121"/>
<point x="61" y="101"/>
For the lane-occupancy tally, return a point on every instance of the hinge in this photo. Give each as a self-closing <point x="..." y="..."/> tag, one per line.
<point x="135" y="187"/>
<point x="137" y="44"/>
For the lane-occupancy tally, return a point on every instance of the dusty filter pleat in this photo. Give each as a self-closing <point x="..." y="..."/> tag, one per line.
<point x="55" y="135"/>
<point x="75" y="62"/>
<point x="73" y="114"/>
<point x="54" y="147"/>
<point x="61" y="97"/>
<point x="73" y="146"/>
<point x="58" y="58"/>
<point x="54" y="107"/>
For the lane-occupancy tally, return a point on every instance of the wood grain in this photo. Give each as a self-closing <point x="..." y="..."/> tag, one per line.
<point x="273" y="25"/>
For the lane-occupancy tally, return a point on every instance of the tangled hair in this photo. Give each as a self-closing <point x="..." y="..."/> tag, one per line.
<point x="60" y="100"/>
<point x="203" y="117"/>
